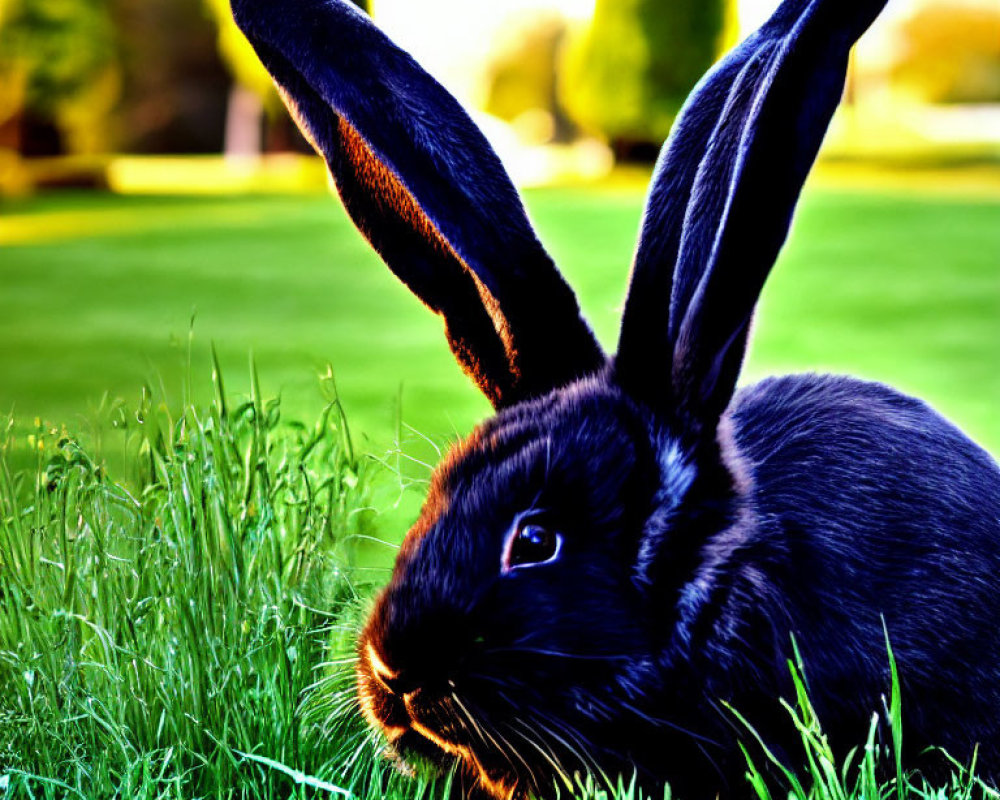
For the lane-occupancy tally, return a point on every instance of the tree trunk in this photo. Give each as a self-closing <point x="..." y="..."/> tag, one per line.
<point x="244" y="120"/>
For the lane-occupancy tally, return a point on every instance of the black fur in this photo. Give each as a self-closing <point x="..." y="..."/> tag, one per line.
<point x="696" y="532"/>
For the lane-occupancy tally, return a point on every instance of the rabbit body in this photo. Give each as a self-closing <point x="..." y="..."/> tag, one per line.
<point x="626" y="550"/>
<point x="868" y="508"/>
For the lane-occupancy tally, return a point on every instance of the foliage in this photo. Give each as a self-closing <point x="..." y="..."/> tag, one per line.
<point x="174" y="83"/>
<point x="183" y="634"/>
<point x="239" y="56"/>
<point x="61" y="46"/>
<point x="626" y="76"/>
<point x="59" y="59"/>
<point x="951" y="53"/>
<point x="90" y="76"/>
<point x="522" y="73"/>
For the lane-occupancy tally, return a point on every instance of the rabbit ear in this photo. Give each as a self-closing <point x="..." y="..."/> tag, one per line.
<point x="721" y="203"/>
<point x="428" y="192"/>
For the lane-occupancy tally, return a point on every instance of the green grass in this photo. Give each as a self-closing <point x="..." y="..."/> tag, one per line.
<point x="183" y="636"/>
<point x="99" y="292"/>
<point x="872" y="771"/>
<point x="191" y="634"/>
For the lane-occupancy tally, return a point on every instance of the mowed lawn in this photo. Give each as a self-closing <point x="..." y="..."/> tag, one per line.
<point x="99" y="292"/>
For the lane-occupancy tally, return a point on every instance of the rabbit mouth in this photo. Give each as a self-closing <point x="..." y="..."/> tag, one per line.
<point x="427" y="728"/>
<point x="433" y="742"/>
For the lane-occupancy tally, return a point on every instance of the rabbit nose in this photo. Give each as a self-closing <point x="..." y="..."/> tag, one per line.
<point x="393" y="680"/>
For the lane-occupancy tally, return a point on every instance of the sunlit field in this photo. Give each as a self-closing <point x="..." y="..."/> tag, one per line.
<point x="104" y="293"/>
<point x="184" y="558"/>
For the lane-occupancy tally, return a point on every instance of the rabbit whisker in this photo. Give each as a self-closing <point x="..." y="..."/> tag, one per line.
<point x="339" y="704"/>
<point x="484" y="734"/>
<point x="556" y="653"/>
<point x="514" y="751"/>
<point x="343" y="711"/>
<point x="476" y="727"/>
<point x="366" y="743"/>
<point x="543" y="749"/>
<point x="532" y="773"/>
<point x="658" y="721"/>
<point x="578" y="751"/>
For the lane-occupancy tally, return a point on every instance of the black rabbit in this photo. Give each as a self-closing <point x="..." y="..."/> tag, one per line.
<point x="629" y="544"/>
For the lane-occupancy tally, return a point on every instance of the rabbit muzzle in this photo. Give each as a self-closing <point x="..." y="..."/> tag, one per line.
<point x="423" y="715"/>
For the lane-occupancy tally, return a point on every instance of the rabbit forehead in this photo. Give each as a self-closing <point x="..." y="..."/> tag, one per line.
<point x="588" y="435"/>
<point x="581" y="456"/>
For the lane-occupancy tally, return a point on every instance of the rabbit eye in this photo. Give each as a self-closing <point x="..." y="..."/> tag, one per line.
<point x="531" y="544"/>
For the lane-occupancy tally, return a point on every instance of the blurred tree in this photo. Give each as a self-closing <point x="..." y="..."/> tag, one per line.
<point x="626" y="76"/>
<point x="951" y="53"/>
<point x="175" y="84"/>
<point x="237" y="53"/>
<point x="522" y="76"/>
<point x="59" y="75"/>
<point x="252" y="89"/>
<point x="252" y="92"/>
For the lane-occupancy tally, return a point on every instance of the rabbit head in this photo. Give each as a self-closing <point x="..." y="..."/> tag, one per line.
<point x="542" y="605"/>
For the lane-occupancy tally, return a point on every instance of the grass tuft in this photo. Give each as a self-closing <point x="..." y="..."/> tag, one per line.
<point x="872" y="772"/>
<point x="185" y="633"/>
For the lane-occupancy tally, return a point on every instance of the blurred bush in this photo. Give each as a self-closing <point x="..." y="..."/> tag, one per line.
<point x="176" y="76"/>
<point x="59" y="75"/>
<point x="93" y="76"/>
<point x="138" y="76"/>
<point x="626" y="75"/>
<point x="175" y="83"/>
<point x="522" y="78"/>
<point x="951" y="54"/>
